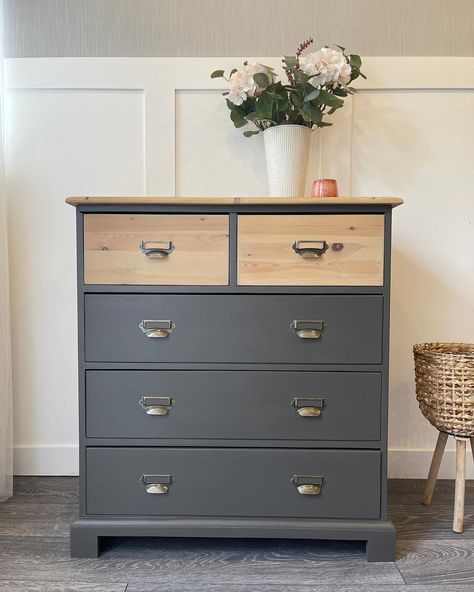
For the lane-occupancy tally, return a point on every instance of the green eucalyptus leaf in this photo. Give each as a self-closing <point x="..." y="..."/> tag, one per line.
<point x="340" y="92"/>
<point x="242" y="109"/>
<point x="232" y="71"/>
<point x="296" y="100"/>
<point x="217" y="74"/>
<point x="327" y="98"/>
<point x="324" y="124"/>
<point x="261" y="80"/>
<point x="301" y="76"/>
<point x="264" y="105"/>
<point x="290" y="61"/>
<point x="312" y="95"/>
<point x="249" y="133"/>
<point x="238" y="119"/>
<point x="305" y="115"/>
<point x="355" y="61"/>
<point x="313" y="112"/>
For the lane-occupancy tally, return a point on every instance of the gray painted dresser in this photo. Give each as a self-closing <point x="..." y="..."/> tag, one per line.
<point x="233" y="364"/>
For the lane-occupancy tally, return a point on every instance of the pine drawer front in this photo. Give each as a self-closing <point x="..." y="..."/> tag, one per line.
<point x="156" y="249"/>
<point x="310" y="250"/>
<point x="255" y="405"/>
<point x="233" y="328"/>
<point x="233" y="482"/>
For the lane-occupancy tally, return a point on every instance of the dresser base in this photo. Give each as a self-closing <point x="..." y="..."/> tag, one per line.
<point x="379" y="535"/>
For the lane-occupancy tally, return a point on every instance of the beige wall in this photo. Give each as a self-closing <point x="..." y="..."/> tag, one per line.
<point x="236" y="27"/>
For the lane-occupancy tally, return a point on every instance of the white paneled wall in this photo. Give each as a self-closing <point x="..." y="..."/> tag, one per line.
<point x="159" y="126"/>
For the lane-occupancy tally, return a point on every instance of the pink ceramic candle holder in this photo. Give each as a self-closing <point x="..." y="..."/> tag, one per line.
<point x="324" y="188"/>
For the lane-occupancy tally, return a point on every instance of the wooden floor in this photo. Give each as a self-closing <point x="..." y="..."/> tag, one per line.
<point x="34" y="552"/>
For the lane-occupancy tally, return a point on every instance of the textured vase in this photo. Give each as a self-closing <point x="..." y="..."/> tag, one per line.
<point x="286" y="153"/>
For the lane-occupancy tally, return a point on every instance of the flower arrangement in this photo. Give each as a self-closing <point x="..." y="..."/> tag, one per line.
<point x="316" y="87"/>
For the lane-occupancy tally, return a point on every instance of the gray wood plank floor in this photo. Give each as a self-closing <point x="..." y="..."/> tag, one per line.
<point x="34" y="552"/>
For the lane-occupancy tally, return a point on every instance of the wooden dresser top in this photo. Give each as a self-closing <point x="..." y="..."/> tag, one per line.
<point x="142" y="200"/>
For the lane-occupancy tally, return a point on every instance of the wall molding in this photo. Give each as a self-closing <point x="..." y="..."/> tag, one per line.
<point x="35" y="459"/>
<point x="61" y="115"/>
<point x="161" y="78"/>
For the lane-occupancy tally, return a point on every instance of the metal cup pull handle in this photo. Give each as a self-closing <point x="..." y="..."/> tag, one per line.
<point x="156" y="329"/>
<point x="155" y="405"/>
<point x="156" y="484"/>
<point x="308" y="484"/>
<point x="307" y="329"/>
<point x="310" y="249"/>
<point x="308" y="407"/>
<point x="156" y="248"/>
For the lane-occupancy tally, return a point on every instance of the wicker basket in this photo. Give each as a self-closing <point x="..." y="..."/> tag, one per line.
<point x="444" y="374"/>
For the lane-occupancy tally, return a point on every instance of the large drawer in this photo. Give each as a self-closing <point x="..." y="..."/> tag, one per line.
<point x="233" y="482"/>
<point x="156" y="249"/>
<point x="310" y="250"/>
<point x="252" y="405"/>
<point x="233" y="328"/>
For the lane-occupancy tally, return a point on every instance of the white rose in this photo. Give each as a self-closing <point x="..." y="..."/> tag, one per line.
<point x="239" y="87"/>
<point x="242" y="85"/>
<point x="326" y="66"/>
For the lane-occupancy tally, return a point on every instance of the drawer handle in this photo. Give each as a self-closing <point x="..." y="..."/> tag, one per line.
<point x="156" y="484"/>
<point x="308" y="484"/>
<point x="307" y="329"/>
<point x="157" y="329"/>
<point x="310" y="249"/>
<point x="158" y="249"/>
<point x="308" y="407"/>
<point x="155" y="405"/>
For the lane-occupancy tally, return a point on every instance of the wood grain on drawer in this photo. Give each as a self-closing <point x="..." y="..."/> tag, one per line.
<point x="233" y="482"/>
<point x="234" y="328"/>
<point x="354" y="256"/>
<point x="199" y="256"/>
<point x="233" y="405"/>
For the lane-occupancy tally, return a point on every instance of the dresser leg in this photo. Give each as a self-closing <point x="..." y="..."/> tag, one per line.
<point x="84" y="543"/>
<point x="381" y="547"/>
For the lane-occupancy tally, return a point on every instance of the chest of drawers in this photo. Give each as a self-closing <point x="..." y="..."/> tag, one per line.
<point x="233" y="366"/>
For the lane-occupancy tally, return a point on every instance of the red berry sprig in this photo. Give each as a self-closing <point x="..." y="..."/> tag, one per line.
<point x="304" y="46"/>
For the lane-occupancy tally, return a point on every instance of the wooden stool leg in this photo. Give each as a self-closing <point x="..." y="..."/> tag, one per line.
<point x="460" y="485"/>
<point x="434" y="468"/>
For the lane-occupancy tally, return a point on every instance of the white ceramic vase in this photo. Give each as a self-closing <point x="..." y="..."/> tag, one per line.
<point x="286" y="153"/>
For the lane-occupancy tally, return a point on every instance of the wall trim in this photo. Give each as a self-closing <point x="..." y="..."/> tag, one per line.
<point x="64" y="460"/>
<point x="46" y="460"/>
<point x="161" y="78"/>
<point x="414" y="464"/>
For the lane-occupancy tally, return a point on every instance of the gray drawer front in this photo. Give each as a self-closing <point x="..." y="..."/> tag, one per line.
<point x="234" y="405"/>
<point x="233" y="482"/>
<point x="234" y="328"/>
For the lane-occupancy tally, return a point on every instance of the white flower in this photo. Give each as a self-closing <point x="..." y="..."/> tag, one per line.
<point x="242" y="85"/>
<point x="326" y="66"/>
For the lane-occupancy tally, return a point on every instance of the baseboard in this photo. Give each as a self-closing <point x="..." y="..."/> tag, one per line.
<point x="64" y="460"/>
<point x="414" y="464"/>
<point x="46" y="460"/>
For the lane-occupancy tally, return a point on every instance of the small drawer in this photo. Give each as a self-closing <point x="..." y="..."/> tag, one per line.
<point x="156" y="249"/>
<point x="233" y="482"/>
<point x="234" y="405"/>
<point x="310" y="250"/>
<point x="210" y="328"/>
